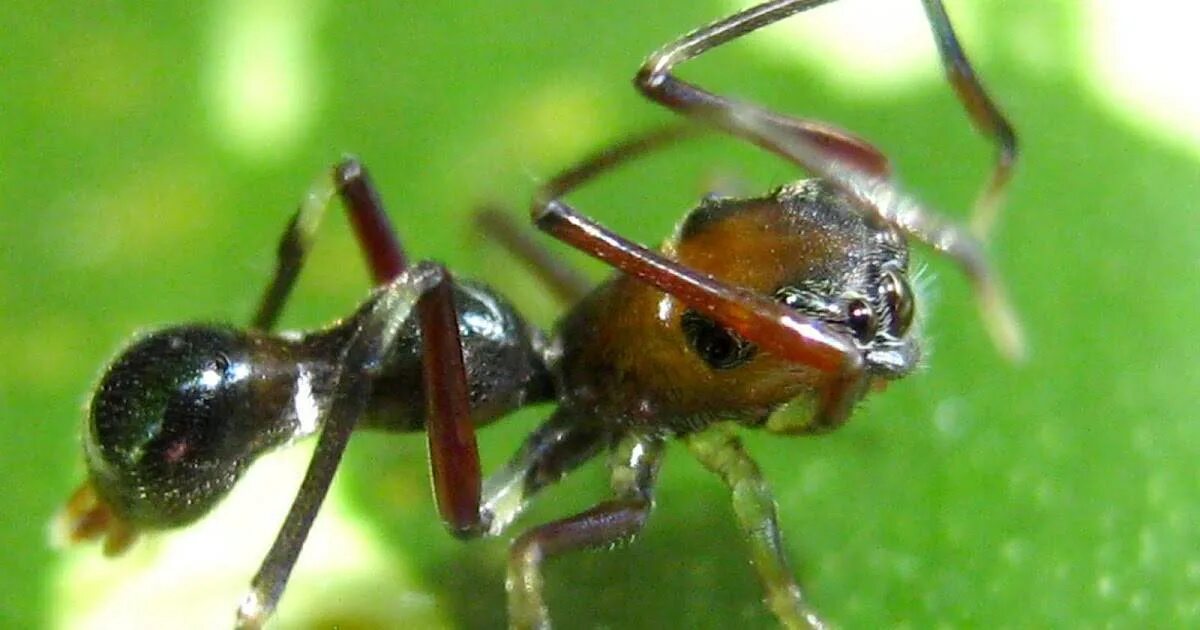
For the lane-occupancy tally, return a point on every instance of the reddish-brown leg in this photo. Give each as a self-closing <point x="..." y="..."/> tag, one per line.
<point x="846" y="164"/>
<point x="453" y="454"/>
<point x="565" y="282"/>
<point x="657" y="83"/>
<point x="984" y="113"/>
<point x="383" y="251"/>
<point x="454" y="458"/>
<point x="634" y="462"/>
<point x="376" y="236"/>
<point x="427" y="288"/>
<point x="424" y="288"/>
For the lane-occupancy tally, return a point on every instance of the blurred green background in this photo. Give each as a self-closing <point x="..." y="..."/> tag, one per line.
<point x="150" y="154"/>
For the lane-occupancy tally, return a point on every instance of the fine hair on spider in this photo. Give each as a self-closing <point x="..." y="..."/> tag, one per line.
<point x="803" y="294"/>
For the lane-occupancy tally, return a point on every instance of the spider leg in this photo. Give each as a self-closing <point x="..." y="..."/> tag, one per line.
<point x="845" y="162"/>
<point x="454" y="458"/>
<point x="558" y="446"/>
<point x="565" y="282"/>
<point x="383" y="251"/>
<point x="984" y="113"/>
<point x="719" y="450"/>
<point x="656" y="82"/>
<point x="453" y="453"/>
<point x="635" y="462"/>
<point x="422" y="288"/>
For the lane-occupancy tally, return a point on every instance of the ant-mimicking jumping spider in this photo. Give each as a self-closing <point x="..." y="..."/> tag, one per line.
<point x="802" y="293"/>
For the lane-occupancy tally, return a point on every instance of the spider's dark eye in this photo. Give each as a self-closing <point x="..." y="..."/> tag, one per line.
<point x="721" y="349"/>
<point x="898" y="295"/>
<point x="861" y="319"/>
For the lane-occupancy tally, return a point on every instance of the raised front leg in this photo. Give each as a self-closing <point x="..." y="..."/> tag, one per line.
<point x="657" y="82"/>
<point x="720" y="451"/>
<point x="848" y="162"/>
<point x="635" y="462"/>
<point x="984" y="113"/>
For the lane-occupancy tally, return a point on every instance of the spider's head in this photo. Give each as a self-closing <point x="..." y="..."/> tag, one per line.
<point x="812" y="250"/>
